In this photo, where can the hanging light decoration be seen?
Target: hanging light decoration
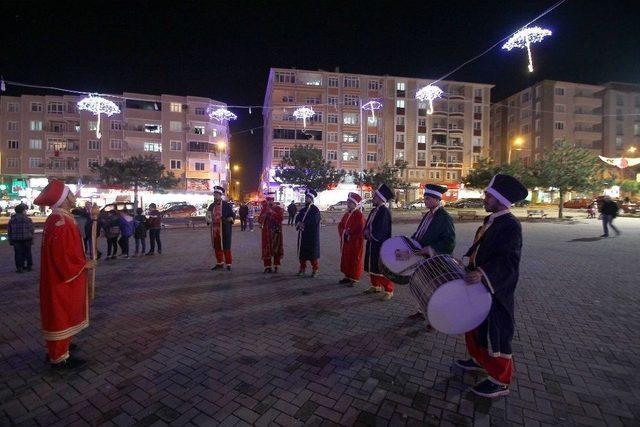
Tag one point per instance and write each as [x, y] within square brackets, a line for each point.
[428, 94]
[221, 114]
[304, 113]
[372, 106]
[98, 106]
[523, 39]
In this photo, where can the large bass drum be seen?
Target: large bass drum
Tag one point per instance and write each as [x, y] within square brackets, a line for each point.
[452, 306]
[398, 259]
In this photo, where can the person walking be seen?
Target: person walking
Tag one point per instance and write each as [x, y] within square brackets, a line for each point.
[140, 233]
[351, 232]
[609, 211]
[20, 234]
[251, 212]
[88, 230]
[377, 230]
[127, 229]
[271, 218]
[155, 225]
[222, 218]
[111, 227]
[307, 223]
[243, 212]
[292, 210]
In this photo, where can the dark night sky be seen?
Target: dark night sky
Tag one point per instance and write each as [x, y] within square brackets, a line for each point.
[223, 50]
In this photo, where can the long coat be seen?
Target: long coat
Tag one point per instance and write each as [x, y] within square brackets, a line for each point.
[440, 233]
[271, 220]
[351, 230]
[377, 230]
[224, 228]
[309, 238]
[498, 258]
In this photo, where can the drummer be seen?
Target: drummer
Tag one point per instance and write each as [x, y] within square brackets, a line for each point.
[376, 230]
[436, 233]
[494, 260]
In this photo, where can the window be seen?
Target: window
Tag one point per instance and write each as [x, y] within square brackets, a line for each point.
[312, 100]
[352, 82]
[636, 129]
[619, 116]
[115, 144]
[155, 147]
[175, 126]
[55, 107]
[350, 119]
[537, 125]
[559, 108]
[332, 100]
[199, 130]
[372, 157]
[13, 107]
[422, 139]
[176, 107]
[525, 129]
[618, 142]
[372, 121]
[350, 138]
[93, 125]
[525, 113]
[12, 162]
[287, 98]
[538, 106]
[400, 103]
[525, 97]
[332, 155]
[619, 129]
[619, 99]
[36, 107]
[35, 125]
[332, 118]
[477, 95]
[399, 155]
[400, 86]
[477, 110]
[12, 144]
[199, 166]
[475, 158]
[399, 120]
[422, 122]
[537, 92]
[12, 126]
[200, 111]
[372, 139]
[35, 144]
[332, 82]
[537, 142]
[35, 162]
[351, 100]
[477, 142]
[92, 162]
[400, 138]
[152, 128]
[477, 125]
[284, 77]
[175, 164]
[175, 145]
[214, 132]
[332, 136]
[559, 91]
[350, 155]
[93, 144]
[374, 85]
[558, 125]
[116, 125]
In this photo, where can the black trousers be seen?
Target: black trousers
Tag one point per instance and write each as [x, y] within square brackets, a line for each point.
[112, 246]
[291, 218]
[154, 238]
[124, 245]
[243, 223]
[22, 249]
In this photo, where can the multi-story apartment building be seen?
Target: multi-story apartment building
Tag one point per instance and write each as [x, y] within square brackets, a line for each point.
[46, 136]
[604, 119]
[439, 147]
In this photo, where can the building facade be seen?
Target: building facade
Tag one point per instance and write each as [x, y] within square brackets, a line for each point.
[604, 119]
[46, 136]
[440, 147]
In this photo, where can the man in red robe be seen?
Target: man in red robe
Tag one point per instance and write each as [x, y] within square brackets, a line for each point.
[222, 219]
[270, 219]
[351, 231]
[64, 302]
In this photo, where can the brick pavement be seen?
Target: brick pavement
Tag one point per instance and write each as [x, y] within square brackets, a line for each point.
[173, 343]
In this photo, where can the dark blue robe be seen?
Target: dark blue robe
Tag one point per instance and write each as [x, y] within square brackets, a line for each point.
[227, 215]
[378, 228]
[498, 257]
[309, 239]
[440, 235]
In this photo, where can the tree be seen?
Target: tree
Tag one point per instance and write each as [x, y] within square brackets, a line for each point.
[306, 167]
[569, 168]
[629, 186]
[139, 172]
[480, 176]
[387, 174]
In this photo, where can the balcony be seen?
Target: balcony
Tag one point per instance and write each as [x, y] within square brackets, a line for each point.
[453, 128]
[456, 94]
[439, 127]
[456, 112]
[454, 164]
[202, 147]
[456, 145]
[437, 163]
[439, 110]
[435, 145]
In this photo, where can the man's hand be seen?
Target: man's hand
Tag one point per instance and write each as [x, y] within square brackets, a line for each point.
[473, 277]
[90, 264]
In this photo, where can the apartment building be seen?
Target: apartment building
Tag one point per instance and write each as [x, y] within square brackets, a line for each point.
[46, 136]
[439, 147]
[602, 118]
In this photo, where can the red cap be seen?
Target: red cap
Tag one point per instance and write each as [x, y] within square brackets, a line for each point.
[53, 194]
[355, 198]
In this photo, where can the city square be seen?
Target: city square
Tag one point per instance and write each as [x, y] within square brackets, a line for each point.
[172, 342]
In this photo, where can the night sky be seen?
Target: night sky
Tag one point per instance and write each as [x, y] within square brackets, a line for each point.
[223, 49]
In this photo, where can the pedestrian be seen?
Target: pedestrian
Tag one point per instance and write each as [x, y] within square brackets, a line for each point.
[292, 210]
[243, 212]
[308, 225]
[494, 260]
[20, 234]
[88, 230]
[351, 232]
[251, 212]
[127, 228]
[591, 210]
[377, 230]
[154, 225]
[609, 211]
[222, 218]
[111, 227]
[140, 233]
[436, 233]
[270, 218]
[82, 218]
[64, 301]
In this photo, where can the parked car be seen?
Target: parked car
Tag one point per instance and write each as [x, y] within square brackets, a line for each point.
[179, 211]
[127, 207]
[416, 204]
[580, 203]
[467, 203]
[522, 204]
[629, 207]
[339, 207]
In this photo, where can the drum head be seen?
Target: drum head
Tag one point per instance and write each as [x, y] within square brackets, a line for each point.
[456, 308]
[404, 267]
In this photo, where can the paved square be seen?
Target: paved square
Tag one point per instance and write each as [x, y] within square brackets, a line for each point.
[172, 342]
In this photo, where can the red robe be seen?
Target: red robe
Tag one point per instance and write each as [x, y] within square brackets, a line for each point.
[64, 303]
[351, 230]
[271, 220]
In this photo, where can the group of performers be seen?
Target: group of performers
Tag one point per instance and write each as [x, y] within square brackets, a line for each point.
[493, 259]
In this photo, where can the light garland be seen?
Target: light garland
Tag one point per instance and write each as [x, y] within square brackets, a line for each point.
[98, 105]
[523, 39]
[221, 114]
[429, 93]
[304, 113]
[372, 106]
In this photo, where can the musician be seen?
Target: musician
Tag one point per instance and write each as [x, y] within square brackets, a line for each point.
[270, 219]
[377, 230]
[222, 218]
[308, 225]
[494, 260]
[436, 233]
[351, 231]
[64, 303]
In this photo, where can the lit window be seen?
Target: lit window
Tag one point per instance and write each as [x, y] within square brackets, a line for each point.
[12, 126]
[400, 103]
[153, 147]
[176, 107]
[199, 166]
[35, 144]
[36, 107]
[12, 162]
[350, 119]
[350, 138]
[372, 121]
[92, 125]
[422, 139]
[35, 125]
[93, 144]
[152, 128]
[199, 130]
[400, 86]
[35, 162]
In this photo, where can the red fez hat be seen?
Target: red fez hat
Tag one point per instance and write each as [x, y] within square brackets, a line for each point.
[53, 194]
[355, 198]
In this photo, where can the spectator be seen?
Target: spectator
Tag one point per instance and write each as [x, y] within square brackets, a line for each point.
[81, 217]
[155, 225]
[20, 233]
[88, 229]
[140, 234]
[243, 212]
[111, 227]
[127, 229]
[609, 211]
[292, 210]
[251, 212]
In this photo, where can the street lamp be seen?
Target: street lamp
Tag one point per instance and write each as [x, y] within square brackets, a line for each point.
[236, 168]
[517, 145]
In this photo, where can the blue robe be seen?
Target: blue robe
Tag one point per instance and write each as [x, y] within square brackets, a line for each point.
[309, 239]
[498, 257]
[225, 230]
[440, 234]
[378, 228]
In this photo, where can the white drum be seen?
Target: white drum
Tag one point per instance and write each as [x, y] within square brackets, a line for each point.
[398, 259]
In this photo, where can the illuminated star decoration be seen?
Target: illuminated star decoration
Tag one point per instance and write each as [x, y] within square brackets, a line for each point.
[221, 114]
[98, 105]
[372, 106]
[429, 93]
[304, 113]
[523, 39]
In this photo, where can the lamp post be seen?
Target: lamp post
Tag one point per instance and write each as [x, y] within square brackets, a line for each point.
[517, 142]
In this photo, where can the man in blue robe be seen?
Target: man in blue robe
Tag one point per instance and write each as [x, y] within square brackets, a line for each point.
[308, 225]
